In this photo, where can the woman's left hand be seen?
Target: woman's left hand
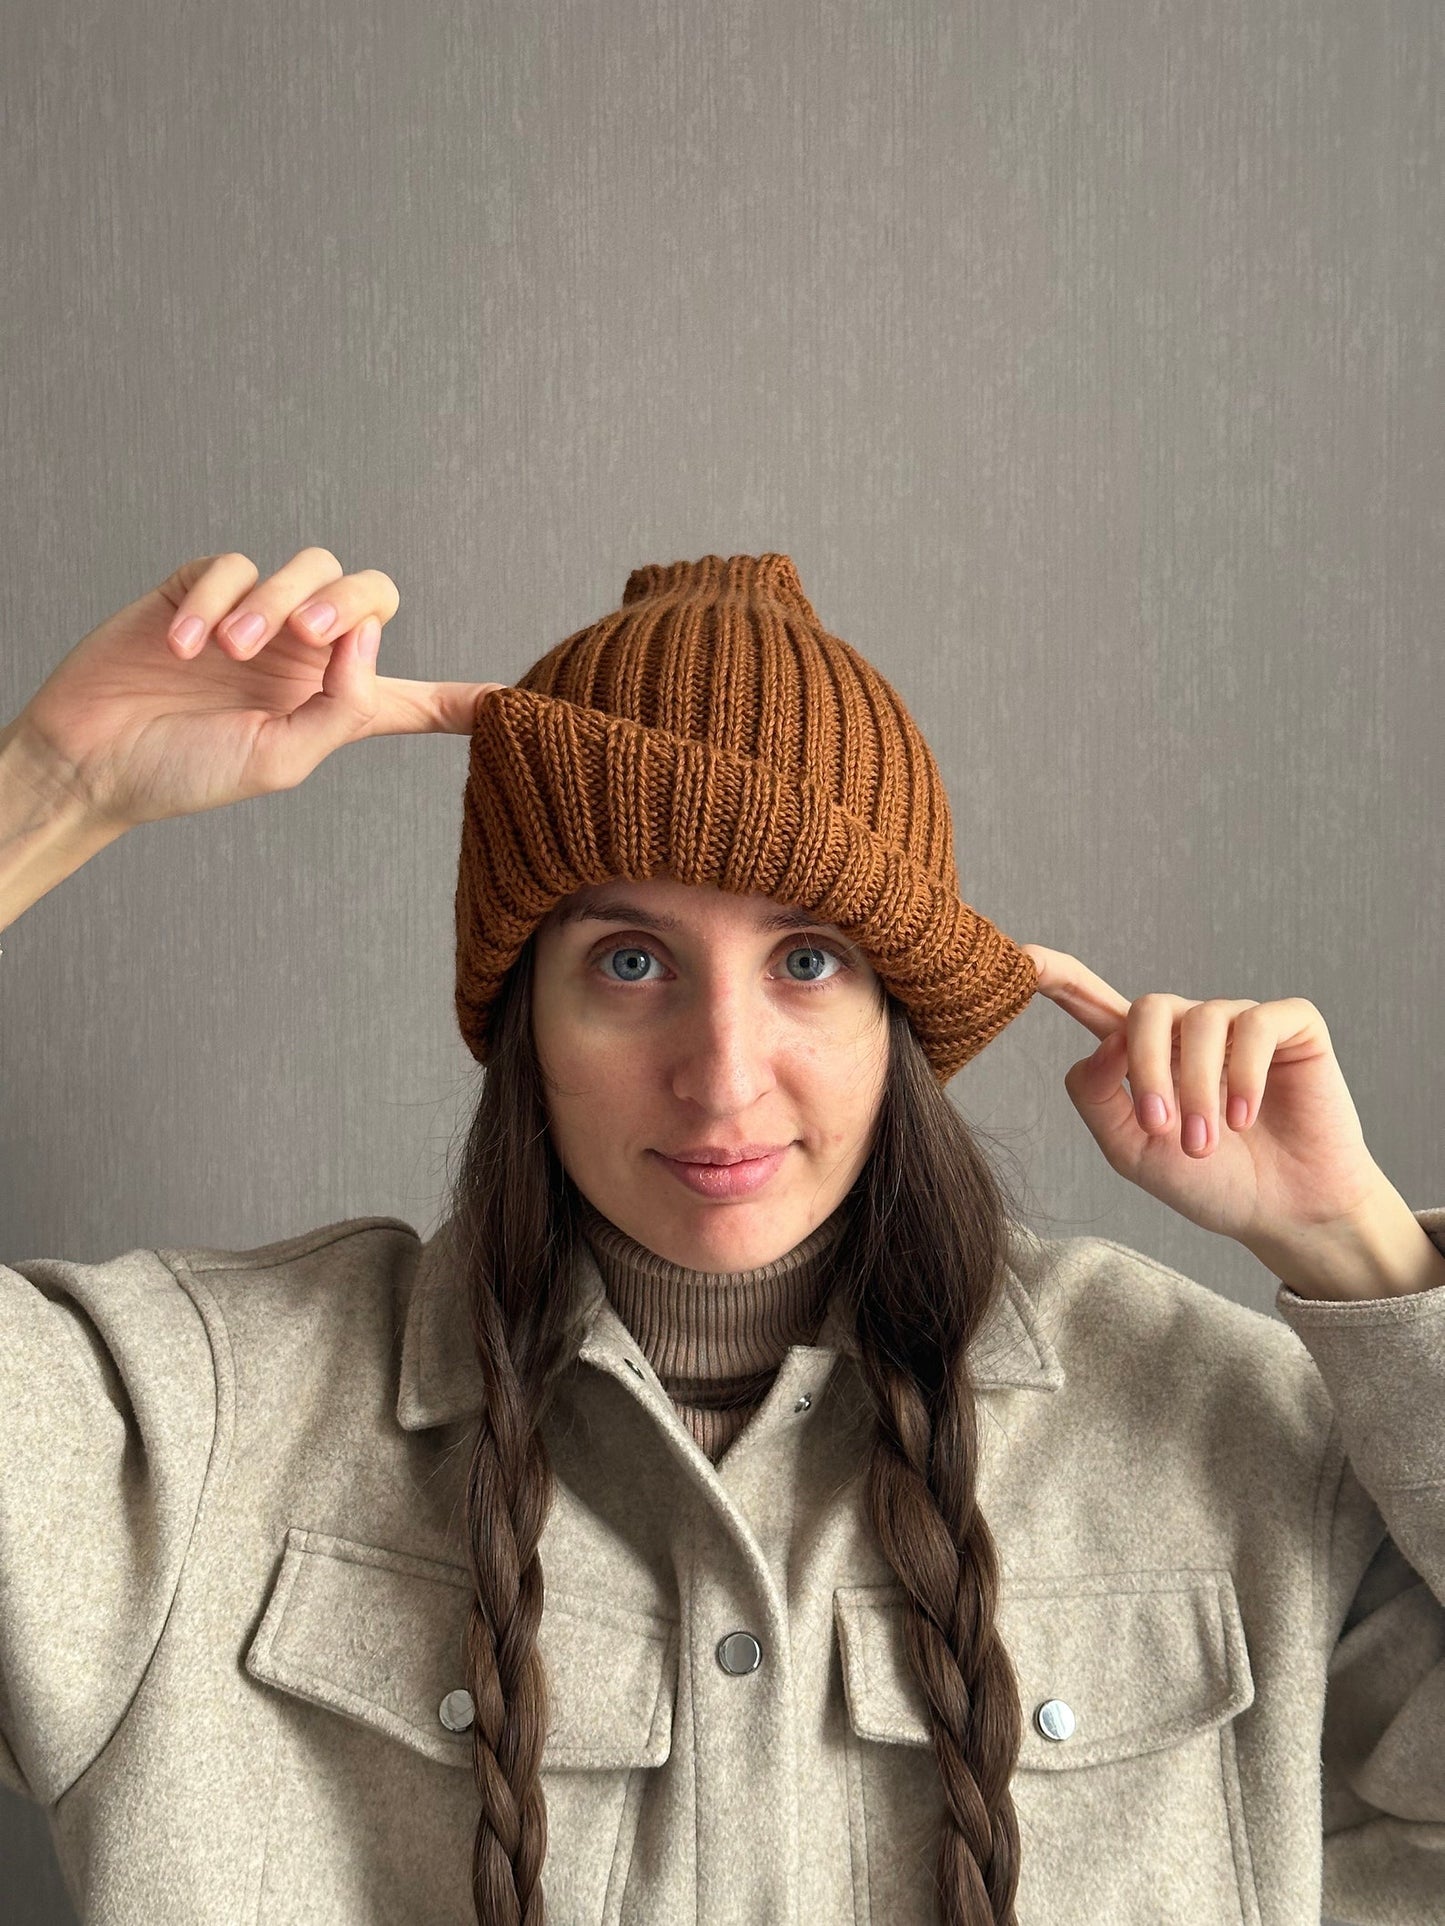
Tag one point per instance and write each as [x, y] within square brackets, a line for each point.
[1296, 1163]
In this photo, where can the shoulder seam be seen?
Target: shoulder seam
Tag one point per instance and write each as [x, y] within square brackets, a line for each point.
[1158, 1265]
[301, 1245]
[1154, 1263]
[184, 1560]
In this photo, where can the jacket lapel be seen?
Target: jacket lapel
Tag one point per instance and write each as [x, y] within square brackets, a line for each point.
[440, 1381]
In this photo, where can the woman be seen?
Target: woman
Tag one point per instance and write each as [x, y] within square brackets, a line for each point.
[733, 1513]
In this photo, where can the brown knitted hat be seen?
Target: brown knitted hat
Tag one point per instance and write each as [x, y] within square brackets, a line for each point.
[713, 729]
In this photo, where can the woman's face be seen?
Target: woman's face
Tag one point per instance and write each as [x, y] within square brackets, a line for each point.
[668, 1016]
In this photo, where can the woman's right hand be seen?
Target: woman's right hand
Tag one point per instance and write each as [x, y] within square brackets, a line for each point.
[138, 728]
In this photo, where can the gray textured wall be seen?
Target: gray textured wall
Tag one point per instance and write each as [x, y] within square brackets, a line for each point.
[1085, 357]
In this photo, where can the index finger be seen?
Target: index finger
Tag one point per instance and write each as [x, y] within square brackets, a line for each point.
[1077, 989]
[406, 706]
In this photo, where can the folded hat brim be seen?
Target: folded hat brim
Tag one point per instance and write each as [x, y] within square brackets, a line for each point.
[560, 796]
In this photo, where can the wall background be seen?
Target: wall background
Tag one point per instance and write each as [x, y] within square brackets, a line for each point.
[1086, 358]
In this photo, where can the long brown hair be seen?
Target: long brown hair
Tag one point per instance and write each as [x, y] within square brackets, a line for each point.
[922, 1267]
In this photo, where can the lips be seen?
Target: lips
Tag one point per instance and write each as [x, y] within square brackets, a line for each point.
[738, 1177]
[714, 1154]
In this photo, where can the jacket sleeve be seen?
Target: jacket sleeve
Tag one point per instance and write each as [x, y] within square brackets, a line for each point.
[107, 1419]
[1383, 1750]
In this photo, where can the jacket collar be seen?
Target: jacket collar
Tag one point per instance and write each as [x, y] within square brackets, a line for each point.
[440, 1381]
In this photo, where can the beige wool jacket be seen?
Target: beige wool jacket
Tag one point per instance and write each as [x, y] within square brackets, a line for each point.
[233, 1585]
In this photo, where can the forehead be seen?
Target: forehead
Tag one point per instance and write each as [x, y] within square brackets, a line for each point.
[666, 904]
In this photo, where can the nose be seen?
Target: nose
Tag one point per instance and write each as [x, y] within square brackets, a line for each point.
[723, 1050]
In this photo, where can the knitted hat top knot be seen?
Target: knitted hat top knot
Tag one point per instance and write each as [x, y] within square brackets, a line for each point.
[711, 728]
[753, 578]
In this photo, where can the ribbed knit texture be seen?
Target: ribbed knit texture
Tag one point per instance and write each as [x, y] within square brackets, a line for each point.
[712, 728]
[715, 1338]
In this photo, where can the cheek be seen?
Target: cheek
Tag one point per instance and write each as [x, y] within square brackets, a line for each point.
[591, 1083]
[592, 1078]
[570, 1044]
[845, 1069]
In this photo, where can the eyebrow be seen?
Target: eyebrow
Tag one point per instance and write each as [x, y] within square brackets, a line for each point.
[613, 909]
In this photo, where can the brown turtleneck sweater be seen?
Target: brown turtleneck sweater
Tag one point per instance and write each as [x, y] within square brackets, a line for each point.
[715, 1338]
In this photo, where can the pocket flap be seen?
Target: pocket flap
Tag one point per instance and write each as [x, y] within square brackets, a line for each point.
[1141, 1660]
[378, 1636]
[611, 1683]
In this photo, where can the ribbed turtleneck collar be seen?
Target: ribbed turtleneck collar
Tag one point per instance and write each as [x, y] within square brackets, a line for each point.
[715, 1338]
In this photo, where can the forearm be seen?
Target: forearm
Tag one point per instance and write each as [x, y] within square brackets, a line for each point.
[45, 833]
[1383, 1252]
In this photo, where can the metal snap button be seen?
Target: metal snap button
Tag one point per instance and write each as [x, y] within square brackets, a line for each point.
[1055, 1719]
[805, 1403]
[456, 1710]
[739, 1652]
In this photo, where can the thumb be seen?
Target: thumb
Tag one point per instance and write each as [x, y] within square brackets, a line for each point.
[1096, 1087]
[344, 708]
[354, 702]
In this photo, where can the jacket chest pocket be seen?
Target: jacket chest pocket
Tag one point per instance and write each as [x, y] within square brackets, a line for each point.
[1127, 1787]
[365, 1647]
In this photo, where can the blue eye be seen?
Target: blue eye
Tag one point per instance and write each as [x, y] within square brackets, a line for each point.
[634, 953]
[638, 955]
[816, 951]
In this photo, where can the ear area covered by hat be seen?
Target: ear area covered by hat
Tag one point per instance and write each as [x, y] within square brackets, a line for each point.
[712, 729]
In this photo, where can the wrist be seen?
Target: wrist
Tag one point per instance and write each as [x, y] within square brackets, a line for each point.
[1379, 1250]
[46, 831]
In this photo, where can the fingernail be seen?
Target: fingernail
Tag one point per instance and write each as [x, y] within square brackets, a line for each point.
[1196, 1132]
[186, 632]
[1152, 1113]
[246, 629]
[369, 638]
[318, 618]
